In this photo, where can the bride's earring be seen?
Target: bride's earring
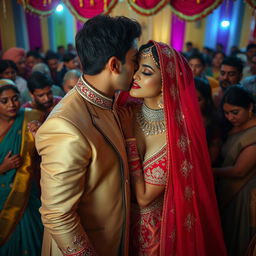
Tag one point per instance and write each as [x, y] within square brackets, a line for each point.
[161, 102]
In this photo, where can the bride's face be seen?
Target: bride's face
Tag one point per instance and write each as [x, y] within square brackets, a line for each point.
[147, 80]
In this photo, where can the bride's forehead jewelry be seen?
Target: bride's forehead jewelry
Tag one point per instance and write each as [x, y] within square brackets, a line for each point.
[147, 52]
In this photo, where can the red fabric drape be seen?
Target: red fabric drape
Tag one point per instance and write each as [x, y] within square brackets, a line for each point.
[147, 7]
[85, 9]
[39, 7]
[190, 222]
[192, 10]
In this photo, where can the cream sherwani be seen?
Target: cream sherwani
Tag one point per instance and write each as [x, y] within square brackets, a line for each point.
[84, 177]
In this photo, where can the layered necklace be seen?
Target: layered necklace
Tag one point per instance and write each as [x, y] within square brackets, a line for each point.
[151, 121]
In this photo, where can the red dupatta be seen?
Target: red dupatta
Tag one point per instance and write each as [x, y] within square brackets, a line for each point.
[190, 222]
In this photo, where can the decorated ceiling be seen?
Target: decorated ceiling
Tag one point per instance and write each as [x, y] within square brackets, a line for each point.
[189, 10]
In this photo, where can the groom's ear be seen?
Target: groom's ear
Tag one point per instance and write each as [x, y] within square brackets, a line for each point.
[114, 65]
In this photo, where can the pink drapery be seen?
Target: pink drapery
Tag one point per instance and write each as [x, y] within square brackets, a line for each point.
[85, 9]
[191, 10]
[147, 7]
[178, 28]
[39, 7]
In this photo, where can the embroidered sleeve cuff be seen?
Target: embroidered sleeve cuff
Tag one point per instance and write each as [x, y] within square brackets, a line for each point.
[81, 246]
[83, 252]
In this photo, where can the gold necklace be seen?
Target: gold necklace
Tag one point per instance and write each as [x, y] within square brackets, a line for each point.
[151, 121]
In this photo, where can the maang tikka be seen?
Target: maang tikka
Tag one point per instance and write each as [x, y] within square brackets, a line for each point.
[147, 52]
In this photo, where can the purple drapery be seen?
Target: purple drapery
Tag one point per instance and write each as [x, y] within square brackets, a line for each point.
[177, 33]
[79, 25]
[34, 31]
[225, 14]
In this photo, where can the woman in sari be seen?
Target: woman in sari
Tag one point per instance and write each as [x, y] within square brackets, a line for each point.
[236, 179]
[174, 209]
[20, 222]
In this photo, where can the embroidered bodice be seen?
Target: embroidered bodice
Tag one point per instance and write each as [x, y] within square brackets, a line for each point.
[155, 168]
[92, 95]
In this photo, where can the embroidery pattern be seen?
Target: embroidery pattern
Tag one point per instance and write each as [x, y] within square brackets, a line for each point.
[173, 235]
[171, 69]
[183, 143]
[135, 168]
[147, 224]
[132, 151]
[82, 247]
[93, 96]
[155, 169]
[179, 116]
[174, 92]
[188, 193]
[189, 222]
[166, 51]
[186, 168]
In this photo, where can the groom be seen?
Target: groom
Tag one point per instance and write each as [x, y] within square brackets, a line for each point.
[84, 171]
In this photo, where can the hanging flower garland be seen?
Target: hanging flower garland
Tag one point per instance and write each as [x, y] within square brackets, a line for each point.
[192, 10]
[147, 7]
[40, 7]
[86, 9]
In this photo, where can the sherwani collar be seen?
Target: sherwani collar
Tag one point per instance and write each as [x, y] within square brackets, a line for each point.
[92, 95]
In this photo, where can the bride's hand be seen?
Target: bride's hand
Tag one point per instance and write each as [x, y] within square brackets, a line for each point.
[126, 117]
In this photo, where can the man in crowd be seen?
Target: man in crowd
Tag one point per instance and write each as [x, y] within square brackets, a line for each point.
[40, 90]
[84, 170]
[231, 72]
[197, 64]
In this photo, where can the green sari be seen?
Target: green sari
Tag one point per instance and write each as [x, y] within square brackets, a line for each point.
[20, 221]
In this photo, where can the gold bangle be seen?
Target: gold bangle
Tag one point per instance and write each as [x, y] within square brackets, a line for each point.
[130, 139]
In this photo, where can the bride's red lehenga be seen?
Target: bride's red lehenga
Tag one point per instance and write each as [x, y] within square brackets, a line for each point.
[185, 221]
[146, 222]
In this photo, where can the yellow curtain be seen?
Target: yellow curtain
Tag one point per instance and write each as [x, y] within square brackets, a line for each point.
[7, 28]
[156, 27]
[195, 32]
[248, 19]
[45, 33]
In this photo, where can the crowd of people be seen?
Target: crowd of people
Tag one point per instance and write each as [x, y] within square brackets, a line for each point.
[113, 149]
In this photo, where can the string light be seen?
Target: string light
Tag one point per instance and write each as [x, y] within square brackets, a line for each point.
[59, 8]
[225, 23]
